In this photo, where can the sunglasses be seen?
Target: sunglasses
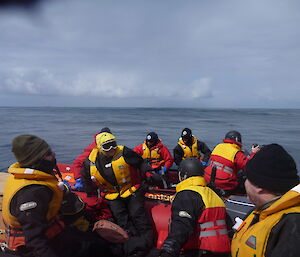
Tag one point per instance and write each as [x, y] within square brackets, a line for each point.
[109, 145]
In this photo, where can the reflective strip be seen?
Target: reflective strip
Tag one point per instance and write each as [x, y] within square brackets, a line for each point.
[92, 164]
[296, 188]
[221, 166]
[209, 224]
[28, 171]
[228, 170]
[208, 233]
[221, 222]
[223, 231]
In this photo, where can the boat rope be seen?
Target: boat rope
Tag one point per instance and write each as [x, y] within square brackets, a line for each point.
[240, 203]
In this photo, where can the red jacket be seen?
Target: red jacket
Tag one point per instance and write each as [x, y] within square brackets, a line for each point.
[78, 162]
[226, 176]
[165, 155]
[96, 208]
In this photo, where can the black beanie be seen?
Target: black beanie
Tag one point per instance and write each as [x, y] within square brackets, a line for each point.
[105, 129]
[152, 137]
[273, 169]
[29, 150]
[186, 133]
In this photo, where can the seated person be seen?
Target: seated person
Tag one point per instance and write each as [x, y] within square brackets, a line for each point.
[273, 227]
[189, 146]
[228, 158]
[113, 169]
[31, 204]
[198, 217]
[157, 156]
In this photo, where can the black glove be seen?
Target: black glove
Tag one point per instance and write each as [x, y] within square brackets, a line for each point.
[170, 248]
[165, 254]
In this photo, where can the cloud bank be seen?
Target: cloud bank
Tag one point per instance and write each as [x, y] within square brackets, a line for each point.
[152, 53]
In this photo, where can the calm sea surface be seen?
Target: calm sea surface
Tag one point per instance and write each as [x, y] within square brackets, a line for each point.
[70, 130]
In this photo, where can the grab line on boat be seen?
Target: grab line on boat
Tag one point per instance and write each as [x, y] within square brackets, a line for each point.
[241, 203]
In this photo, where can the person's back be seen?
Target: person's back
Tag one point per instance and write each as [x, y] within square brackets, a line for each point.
[198, 222]
[273, 228]
[228, 159]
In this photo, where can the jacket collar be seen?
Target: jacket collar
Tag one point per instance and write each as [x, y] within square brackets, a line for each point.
[191, 181]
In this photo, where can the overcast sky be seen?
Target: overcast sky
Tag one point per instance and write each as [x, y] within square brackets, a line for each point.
[152, 53]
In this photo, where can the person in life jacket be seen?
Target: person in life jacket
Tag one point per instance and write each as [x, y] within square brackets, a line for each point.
[189, 146]
[228, 158]
[31, 207]
[113, 169]
[272, 229]
[157, 155]
[78, 162]
[198, 220]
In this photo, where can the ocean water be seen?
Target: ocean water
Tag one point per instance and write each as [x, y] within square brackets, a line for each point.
[70, 130]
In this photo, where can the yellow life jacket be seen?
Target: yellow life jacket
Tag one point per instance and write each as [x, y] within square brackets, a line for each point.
[121, 170]
[152, 155]
[226, 150]
[251, 241]
[188, 152]
[211, 232]
[20, 178]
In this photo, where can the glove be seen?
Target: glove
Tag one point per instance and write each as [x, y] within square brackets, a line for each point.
[78, 185]
[163, 170]
[170, 248]
[204, 163]
[165, 254]
[153, 178]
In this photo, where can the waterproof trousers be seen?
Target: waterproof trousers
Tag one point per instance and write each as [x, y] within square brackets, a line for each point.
[129, 213]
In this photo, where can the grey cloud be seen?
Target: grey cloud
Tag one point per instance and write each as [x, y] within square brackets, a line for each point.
[226, 53]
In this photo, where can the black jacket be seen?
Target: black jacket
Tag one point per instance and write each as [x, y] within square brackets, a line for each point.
[34, 222]
[284, 240]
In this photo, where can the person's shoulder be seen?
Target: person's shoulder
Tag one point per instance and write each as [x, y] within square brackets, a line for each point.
[34, 192]
[187, 194]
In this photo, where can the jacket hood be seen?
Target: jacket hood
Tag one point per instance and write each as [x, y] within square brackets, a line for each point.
[232, 142]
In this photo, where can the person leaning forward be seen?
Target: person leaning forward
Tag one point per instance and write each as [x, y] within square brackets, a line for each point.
[113, 169]
[273, 228]
[31, 203]
[189, 146]
[198, 223]
[229, 159]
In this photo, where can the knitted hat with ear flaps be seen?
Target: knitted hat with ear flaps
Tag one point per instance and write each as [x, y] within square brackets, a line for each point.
[29, 150]
[273, 169]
